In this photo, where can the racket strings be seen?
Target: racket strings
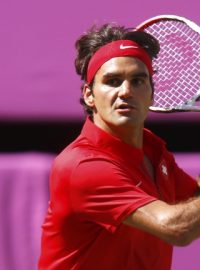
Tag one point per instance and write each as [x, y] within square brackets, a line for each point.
[178, 64]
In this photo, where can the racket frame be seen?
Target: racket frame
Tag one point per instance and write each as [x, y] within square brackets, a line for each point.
[156, 19]
[188, 106]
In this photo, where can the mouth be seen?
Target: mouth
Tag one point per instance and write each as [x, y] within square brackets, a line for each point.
[125, 107]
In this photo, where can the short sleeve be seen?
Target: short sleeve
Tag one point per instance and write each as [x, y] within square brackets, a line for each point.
[185, 185]
[102, 192]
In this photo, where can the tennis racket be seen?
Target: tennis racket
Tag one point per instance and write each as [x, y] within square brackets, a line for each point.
[177, 76]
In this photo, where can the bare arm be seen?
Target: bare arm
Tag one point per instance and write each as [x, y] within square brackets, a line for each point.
[176, 224]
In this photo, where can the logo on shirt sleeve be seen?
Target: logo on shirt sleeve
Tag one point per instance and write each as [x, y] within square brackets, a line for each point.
[163, 169]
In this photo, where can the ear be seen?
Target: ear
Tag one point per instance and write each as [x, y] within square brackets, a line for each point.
[152, 101]
[152, 97]
[88, 96]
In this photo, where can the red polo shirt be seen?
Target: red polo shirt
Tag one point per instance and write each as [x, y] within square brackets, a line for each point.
[96, 182]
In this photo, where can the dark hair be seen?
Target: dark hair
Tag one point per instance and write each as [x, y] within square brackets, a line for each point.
[96, 37]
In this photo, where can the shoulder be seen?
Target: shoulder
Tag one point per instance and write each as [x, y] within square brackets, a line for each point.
[78, 155]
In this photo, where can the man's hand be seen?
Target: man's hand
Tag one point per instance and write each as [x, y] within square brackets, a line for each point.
[198, 182]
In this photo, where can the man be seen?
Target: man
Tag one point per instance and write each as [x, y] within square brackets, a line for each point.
[117, 198]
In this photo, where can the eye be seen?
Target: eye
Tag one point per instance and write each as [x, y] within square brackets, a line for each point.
[115, 82]
[138, 81]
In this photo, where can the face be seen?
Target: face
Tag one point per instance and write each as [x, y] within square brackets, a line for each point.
[121, 95]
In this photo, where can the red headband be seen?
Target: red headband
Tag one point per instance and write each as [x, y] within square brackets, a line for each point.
[116, 49]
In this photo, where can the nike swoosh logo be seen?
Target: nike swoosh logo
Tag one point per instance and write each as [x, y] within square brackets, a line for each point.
[138, 184]
[122, 47]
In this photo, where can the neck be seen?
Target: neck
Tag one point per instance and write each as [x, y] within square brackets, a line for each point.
[133, 136]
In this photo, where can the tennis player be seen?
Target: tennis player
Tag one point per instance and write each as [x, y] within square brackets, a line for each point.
[118, 200]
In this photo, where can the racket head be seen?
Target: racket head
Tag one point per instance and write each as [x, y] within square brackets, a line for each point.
[177, 76]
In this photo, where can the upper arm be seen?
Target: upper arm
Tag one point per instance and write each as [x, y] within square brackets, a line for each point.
[162, 220]
[150, 218]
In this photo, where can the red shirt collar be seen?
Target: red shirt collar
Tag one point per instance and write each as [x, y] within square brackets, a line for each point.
[119, 149]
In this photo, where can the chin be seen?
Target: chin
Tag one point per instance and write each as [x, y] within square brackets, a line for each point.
[127, 121]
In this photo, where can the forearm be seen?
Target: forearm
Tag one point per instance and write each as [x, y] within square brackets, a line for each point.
[183, 220]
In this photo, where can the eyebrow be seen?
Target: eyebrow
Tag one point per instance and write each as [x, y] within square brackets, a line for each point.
[118, 74]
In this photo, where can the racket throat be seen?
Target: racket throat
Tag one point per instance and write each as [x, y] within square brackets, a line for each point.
[194, 99]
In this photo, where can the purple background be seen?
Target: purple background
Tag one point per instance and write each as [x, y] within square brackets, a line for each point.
[37, 75]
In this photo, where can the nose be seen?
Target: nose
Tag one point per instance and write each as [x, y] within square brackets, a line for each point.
[125, 89]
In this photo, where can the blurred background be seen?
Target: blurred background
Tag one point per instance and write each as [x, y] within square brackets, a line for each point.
[40, 112]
